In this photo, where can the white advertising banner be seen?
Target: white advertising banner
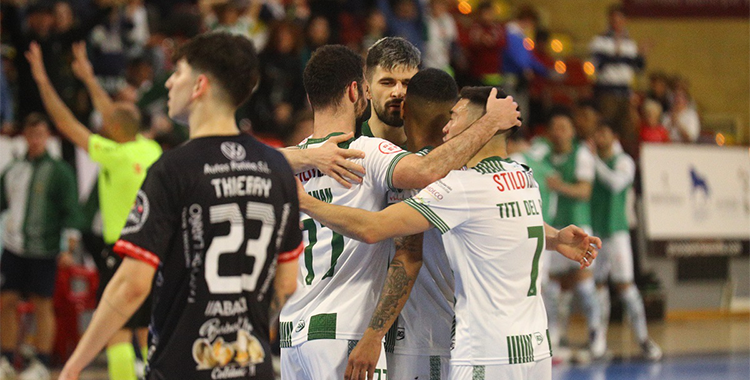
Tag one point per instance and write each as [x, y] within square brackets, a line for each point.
[696, 191]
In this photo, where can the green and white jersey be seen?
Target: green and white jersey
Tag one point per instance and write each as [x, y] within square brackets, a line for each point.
[340, 279]
[541, 169]
[574, 166]
[42, 201]
[614, 177]
[491, 223]
[424, 325]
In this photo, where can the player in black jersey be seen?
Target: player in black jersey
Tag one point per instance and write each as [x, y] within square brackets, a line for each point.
[214, 227]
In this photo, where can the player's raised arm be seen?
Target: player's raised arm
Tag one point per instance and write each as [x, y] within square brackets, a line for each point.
[415, 172]
[330, 159]
[402, 274]
[574, 243]
[84, 71]
[60, 114]
[367, 226]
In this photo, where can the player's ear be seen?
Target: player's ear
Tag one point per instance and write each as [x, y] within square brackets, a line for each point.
[366, 85]
[201, 86]
[353, 92]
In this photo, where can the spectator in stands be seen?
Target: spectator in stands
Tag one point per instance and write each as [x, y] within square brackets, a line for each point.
[617, 59]
[375, 29]
[41, 196]
[317, 34]
[235, 17]
[658, 89]
[486, 41]
[137, 16]
[55, 45]
[109, 44]
[7, 111]
[442, 36]
[651, 129]
[405, 19]
[682, 121]
[519, 64]
[585, 119]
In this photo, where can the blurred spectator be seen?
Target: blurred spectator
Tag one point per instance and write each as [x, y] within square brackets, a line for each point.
[519, 64]
[617, 58]
[405, 19]
[540, 94]
[376, 28]
[442, 35]
[486, 40]
[303, 127]
[682, 121]
[6, 103]
[235, 17]
[317, 34]
[658, 89]
[651, 129]
[137, 16]
[280, 91]
[55, 44]
[38, 191]
[109, 44]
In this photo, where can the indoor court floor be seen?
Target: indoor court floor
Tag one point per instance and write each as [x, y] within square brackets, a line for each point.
[695, 347]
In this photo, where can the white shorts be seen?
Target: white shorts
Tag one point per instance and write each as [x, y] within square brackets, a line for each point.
[539, 370]
[615, 259]
[323, 359]
[417, 367]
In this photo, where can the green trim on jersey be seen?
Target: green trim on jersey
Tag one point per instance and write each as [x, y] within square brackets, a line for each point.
[541, 169]
[311, 141]
[435, 368]
[610, 215]
[477, 372]
[430, 215]
[322, 326]
[520, 349]
[392, 169]
[366, 130]
[285, 334]
[390, 336]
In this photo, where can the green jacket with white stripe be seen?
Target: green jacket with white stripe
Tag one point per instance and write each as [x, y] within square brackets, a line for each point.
[41, 198]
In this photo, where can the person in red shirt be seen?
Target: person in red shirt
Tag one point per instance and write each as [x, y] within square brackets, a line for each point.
[651, 128]
[486, 41]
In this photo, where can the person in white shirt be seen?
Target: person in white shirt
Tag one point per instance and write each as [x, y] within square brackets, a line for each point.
[682, 121]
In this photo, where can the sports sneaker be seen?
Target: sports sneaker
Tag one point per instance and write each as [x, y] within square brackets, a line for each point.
[7, 372]
[598, 344]
[651, 350]
[35, 371]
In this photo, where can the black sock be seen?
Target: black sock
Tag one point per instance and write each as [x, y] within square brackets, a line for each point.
[44, 358]
[8, 355]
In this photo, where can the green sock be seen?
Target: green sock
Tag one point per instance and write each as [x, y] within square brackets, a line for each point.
[121, 362]
[144, 353]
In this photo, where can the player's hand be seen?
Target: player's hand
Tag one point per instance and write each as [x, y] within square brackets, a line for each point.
[503, 111]
[81, 65]
[334, 161]
[554, 182]
[36, 61]
[575, 244]
[363, 359]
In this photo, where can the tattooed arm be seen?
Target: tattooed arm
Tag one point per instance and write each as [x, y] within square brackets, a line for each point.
[398, 284]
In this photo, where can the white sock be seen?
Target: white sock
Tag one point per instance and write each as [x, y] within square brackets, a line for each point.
[551, 295]
[586, 290]
[602, 293]
[633, 303]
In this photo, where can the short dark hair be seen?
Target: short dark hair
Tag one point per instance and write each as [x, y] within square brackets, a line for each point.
[433, 85]
[615, 8]
[390, 52]
[34, 119]
[558, 111]
[527, 12]
[328, 73]
[478, 95]
[229, 59]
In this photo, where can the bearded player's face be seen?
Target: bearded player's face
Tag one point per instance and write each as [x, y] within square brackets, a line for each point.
[387, 91]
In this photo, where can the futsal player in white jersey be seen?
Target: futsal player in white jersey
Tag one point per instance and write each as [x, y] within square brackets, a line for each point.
[340, 279]
[492, 228]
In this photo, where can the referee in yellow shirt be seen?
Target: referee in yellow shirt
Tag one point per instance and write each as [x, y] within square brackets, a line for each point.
[123, 156]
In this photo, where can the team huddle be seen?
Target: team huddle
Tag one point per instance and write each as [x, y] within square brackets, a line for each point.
[414, 251]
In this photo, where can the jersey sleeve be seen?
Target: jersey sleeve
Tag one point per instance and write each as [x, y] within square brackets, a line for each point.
[289, 236]
[585, 165]
[102, 150]
[153, 220]
[381, 158]
[443, 203]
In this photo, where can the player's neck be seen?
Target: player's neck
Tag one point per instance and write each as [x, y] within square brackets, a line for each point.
[330, 121]
[212, 120]
[563, 148]
[380, 129]
[607, 153]
[497, 147]
[422, 134]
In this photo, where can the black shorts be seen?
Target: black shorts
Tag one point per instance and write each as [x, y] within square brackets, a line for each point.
[112, 261]
[27, 276]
